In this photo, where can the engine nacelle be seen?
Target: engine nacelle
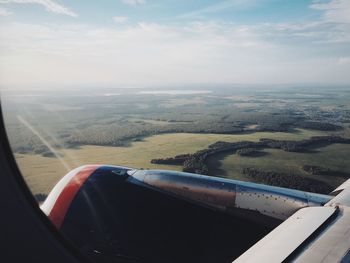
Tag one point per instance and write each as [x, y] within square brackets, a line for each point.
[119, 214]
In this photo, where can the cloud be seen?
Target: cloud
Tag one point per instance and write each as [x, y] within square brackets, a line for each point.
[310, 32]
[344, 61]
[154, 54]
[332, 27]
[120, 19]
[5, 12]
[223, 5]
[337, 11]
[134, 2]
[50, 6]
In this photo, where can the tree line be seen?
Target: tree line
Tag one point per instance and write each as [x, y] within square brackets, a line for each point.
[196, 163]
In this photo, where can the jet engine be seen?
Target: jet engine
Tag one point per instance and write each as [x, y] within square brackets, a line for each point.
[120, 214]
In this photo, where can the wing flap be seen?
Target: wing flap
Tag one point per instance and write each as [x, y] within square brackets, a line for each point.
[332, 245]
[279, 244]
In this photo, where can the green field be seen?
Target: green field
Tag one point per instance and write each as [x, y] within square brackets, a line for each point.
[42, 173]
[334, 157]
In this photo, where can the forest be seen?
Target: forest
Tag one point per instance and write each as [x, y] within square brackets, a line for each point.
[67, 120]
[196, 162]
[45, 123]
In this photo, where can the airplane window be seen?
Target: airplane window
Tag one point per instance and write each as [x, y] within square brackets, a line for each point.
[140, 125]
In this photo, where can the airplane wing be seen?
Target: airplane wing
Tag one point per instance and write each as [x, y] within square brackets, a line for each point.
[312, 234]
[114, 212]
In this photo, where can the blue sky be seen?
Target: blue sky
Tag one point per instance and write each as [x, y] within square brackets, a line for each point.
[166, 11]
[46, 43]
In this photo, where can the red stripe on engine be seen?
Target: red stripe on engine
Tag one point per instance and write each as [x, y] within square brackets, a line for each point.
[68, 193]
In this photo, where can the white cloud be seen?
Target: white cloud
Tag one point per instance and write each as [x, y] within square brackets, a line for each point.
[5, 12]
[120, 19]
[337, 11]
[133, 2]
[154, 54]
[344, 61]
[50, 6]
[223, 5]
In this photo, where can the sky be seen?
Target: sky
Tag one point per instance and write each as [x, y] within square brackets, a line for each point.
[136, 43]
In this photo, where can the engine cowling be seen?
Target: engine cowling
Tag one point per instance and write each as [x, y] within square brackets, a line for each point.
[119, 214]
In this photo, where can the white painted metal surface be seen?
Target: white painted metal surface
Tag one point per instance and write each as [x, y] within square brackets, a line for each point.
[342, 199]
[283, 240]
[332, 244]
[345, 185]
[50, 201]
